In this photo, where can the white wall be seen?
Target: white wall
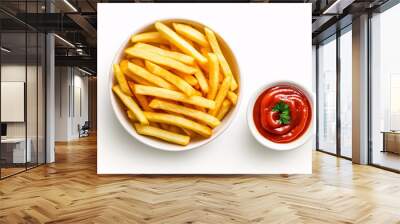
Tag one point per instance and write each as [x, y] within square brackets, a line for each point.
[62, 81]
[70, 83]
[79, 112]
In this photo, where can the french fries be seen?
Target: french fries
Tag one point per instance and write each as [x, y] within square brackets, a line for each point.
[175, 82]
[180, 122]
[174, 129]
[150, 37]
[201, 80]
[144, 74]
[213, 76]
[162, 134]
[124, 68]
[159, 59]
[138, 61]
[142, 100]
[172, 78]
[174, 95]
[222, 92]
[188, 78]
[217, 50]
[232, 97]
[131, 116]
[226, 106]
[189, 112]
[191, 34]
[179, 42]
[131, 105]
[188, 132]
[167, 53]
[121, 80]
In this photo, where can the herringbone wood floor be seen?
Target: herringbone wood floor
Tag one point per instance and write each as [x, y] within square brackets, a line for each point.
[69, 191]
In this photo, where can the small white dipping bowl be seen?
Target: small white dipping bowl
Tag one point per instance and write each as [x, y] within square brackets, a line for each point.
[156, 143]
[268, 143]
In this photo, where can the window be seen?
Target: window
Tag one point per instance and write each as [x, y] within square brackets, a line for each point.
[394, 102]
[334, 58]
[385, 89]
[327, 96]
[22, 74]
[346, 92]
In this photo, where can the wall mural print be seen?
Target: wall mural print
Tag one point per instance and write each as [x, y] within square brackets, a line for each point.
[200, 90]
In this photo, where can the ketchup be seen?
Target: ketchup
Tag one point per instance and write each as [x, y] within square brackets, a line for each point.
[268, 119]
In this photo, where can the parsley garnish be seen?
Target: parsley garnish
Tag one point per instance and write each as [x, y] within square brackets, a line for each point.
[284, 112]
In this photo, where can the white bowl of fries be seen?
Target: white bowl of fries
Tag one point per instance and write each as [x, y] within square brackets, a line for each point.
[175, 85]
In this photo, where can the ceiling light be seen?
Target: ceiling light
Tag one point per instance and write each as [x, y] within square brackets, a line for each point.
[80, 51]
[65, 41]
[5, 50]
[84, 71]
[70, 5]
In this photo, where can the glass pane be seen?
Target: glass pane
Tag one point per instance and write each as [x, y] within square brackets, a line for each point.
[327, 97]
[385, 83]
[13, 86]
[41, 98]
[32, 97]
[346, 94]
[22, 89]
[31, 88]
